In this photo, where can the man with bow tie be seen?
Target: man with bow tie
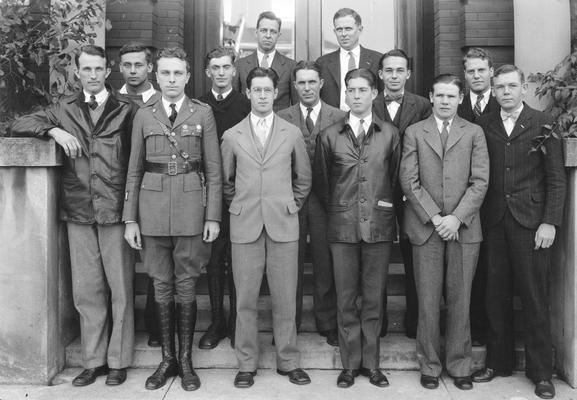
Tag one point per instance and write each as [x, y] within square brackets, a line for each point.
[521, 214]
[401, 108]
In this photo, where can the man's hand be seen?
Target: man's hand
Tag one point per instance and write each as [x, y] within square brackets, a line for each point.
[132, 235]
[545, 236]
[69, 143]
[211, 230]
[448, 228]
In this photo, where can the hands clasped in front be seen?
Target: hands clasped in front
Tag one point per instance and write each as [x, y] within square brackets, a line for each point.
[447, 227]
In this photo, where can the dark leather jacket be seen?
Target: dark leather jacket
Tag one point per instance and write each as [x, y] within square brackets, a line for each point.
[92, 188]
[355, 183]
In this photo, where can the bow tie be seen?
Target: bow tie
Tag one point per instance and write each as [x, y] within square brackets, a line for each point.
[390, 98]
[513, 116]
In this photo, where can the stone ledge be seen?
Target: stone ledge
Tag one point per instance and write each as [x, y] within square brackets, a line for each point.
[29, 152]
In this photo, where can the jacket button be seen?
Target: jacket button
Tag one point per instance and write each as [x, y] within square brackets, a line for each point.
[172, 134]
[508, 143]
[363, 200]
[173, 156]
[507, 195]
[363, 219]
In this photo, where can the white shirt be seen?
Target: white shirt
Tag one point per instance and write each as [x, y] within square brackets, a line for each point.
[100, 97]
[344, 59]
[440, 124]
[146, 95]
[260, 56]
[393, 106]
[167, 104]
[485, 99]
[509, 124]
[223, 94]
[355, 122]
[314, 113]
[254, 119]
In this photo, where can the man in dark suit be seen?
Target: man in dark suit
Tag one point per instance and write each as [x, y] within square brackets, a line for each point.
[478, 70]
[173, 207]
[266, 56]
[267, 177]
[401, 108]
[229, 108]
[521, 214]
[312, 115]
[355, 171]
[349, 56]
[444, 174]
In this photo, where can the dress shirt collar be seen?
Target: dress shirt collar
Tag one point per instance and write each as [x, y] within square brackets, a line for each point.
[314, 113]
[355, 121]
[356, 52]
[440, 124]
[485, 95]
[260, 55]
[100, 97]
[224, 94]
[167, 104]
[146, 95]
[269, 119]
[515, 112]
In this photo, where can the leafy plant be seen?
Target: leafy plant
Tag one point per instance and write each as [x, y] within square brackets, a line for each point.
[560, 84]
[29, 36]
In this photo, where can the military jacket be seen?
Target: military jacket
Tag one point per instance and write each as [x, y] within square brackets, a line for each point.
[174, 205]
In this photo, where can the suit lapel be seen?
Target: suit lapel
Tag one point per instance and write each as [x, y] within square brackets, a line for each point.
[159, 114]
[245, 140]
[456, 133]
[335, 68]
[364, 59]
[432, 136]
[522, 124]
[277, 137]
[407, 111]
[184, 113]
[278, 63]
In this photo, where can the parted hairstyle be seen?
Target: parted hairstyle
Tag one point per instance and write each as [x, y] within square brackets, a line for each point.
[449, 79]
[260, 72]
[173, 52]
[219, 52]
[303, 64]
[505, 69]
[395, 53]
[344, 12]
[477, 52]
[268, 15]
[92, 50]
[364, 73]
[136, 47]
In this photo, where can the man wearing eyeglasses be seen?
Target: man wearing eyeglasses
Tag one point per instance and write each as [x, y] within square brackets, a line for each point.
[266, 179]
[266, 56]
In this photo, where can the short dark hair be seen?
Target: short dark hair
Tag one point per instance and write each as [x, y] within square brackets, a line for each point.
[268, 15]
[92, 50]
[477, 52]
[364, 73]
[66, 56]
[449, 79]
[260, 72]
[505, 69]
[344, 12]
[173, 52]
[136, 47]
[395, 53]
[219, 52]
[303, 64]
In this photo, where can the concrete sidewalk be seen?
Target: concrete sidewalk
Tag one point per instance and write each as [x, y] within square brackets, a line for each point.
[217, 384]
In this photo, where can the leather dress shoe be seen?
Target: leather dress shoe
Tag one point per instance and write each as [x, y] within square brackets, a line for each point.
[89, 375]
[429, 382]
[346, 378]
[463, 382]
[153, 341]
[487, 375]
[545, 389]
[376, 377]
[477, 343]
[116, 376]
[332, 336]
[297, 376]
[244, 380]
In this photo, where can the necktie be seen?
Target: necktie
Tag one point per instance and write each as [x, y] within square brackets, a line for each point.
[477, 109]
[309, 120]
[445, 134]
[261, 131]
[92, 103]
[361, 134]
[264, 62]
[509, 120]
[172, 116]
[351, 61]
[219, 97]
[390, 98]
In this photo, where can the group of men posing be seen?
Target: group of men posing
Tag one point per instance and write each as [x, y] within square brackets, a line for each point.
[156, 175]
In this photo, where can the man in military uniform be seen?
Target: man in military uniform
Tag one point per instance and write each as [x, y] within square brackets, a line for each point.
[173, 206]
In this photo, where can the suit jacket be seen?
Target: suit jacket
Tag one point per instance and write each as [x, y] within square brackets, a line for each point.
[465, 109]
[531, 185]
[328, 115]
[331, 73]
[173, 205]
[451, 183]
[282, 65]
[355, 182]
[413, 109]
[268, 190]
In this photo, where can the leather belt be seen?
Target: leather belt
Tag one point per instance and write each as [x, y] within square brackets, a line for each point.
[173, 167]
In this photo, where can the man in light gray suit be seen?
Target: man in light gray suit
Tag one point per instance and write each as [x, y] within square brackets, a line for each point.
[266, 179]
[312, 115]
[444, 174]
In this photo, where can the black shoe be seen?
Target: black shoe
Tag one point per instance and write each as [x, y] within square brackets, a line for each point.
[332, 336]
[429, 382]
[545, 389]
[297, 376]
[346, 378]
[168, 367]
[376, 377]
[217, 329]
[411, 333]
[153, 341]
[89, 375]
[244, 380]
[463, 383]
[477, 343]
[116, 376]
[487, 375]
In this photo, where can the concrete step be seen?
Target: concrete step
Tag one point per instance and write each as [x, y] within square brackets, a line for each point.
[397, 353]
